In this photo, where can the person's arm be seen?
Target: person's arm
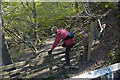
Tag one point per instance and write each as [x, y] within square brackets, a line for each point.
[57, 40]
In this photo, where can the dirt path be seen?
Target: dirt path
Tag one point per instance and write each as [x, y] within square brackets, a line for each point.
[49, 42]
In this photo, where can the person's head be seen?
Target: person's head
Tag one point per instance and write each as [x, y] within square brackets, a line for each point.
[54, 29]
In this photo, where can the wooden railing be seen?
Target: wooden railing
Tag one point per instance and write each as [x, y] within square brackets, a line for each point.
[41, 66]
[105, 73]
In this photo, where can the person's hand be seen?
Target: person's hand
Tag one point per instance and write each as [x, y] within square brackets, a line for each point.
[63, 45]
[50, 52]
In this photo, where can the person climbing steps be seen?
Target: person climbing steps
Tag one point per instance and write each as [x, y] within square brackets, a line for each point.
[67, 37]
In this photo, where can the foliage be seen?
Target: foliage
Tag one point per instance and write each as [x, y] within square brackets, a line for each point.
[112, 5]
[27, 18]
[19, 17]
[114, 54]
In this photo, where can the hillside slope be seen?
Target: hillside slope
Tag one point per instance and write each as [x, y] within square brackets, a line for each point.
[106, 50]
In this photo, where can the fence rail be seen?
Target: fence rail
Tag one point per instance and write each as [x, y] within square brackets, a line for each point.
[109, 70]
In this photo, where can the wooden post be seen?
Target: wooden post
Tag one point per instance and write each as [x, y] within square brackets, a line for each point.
[90, 41]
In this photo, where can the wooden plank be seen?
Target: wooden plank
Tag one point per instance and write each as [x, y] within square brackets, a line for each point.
[18, 64]
[13, 65]
[90, 41]
[81, 53]
[12, 72]
[45, 65]
[47, 56]
[74, 62]
[55, 73]
[52, 61]
[6, 74]
[24, 62]
[41, 75]
[48, 67]
[19, 70]
[43, 59]
[41, 68]
[24, 72]
[16, 71]
[77, 57]
[48, 59]
[55, 61]
[99, 72]
[48, 73]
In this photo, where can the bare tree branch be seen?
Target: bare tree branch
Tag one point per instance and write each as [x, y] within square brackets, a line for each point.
[67, 25]
[19, 38]
[28, 6]
[86, 10]
[10, 11]
[84, 16]
[26, 10]
[23, 20]
[12, 36]
[93, 15]
[102, 27]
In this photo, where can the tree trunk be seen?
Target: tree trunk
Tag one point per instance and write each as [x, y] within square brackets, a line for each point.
[36, 26]
[0, 37]
[35, 22]
[6, 59]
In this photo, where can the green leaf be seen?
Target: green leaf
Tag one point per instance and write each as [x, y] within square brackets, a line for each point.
[106, 5]
[100, 4]
[116, 7]
[118, 16]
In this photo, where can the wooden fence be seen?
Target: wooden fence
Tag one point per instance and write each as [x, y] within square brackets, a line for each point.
[105, 73]
[43, 66]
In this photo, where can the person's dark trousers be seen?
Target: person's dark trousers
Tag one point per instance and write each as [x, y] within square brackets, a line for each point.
[67, 55]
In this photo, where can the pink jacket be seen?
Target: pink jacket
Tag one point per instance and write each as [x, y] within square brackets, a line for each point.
[62, 34]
